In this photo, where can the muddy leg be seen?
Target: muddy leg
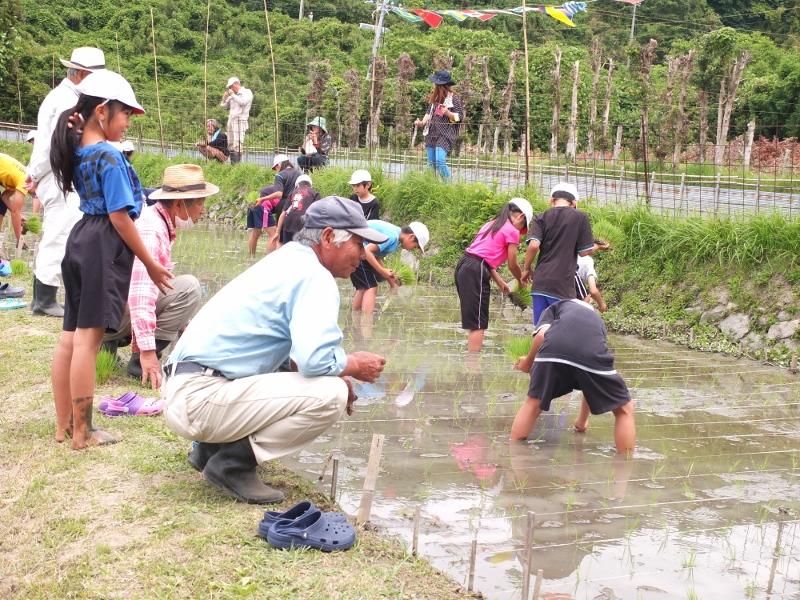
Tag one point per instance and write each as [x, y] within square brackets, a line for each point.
[625, 428]
[59, 377]
[525, 419]
[475, 340]
[582, 421]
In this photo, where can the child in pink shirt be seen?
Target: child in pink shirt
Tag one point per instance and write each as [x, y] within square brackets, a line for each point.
[496, 243]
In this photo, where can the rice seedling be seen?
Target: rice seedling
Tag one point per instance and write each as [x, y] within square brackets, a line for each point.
[19, 267]
[106, 366]
[404, 272]
[607, 232]
[520, 296]
[34, 224]
[518, 347]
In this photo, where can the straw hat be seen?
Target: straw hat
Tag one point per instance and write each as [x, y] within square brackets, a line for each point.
[184, 181]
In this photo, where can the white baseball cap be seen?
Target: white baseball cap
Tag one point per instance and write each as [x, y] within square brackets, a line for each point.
[421, 232]
[85, 58]
[30, 135]
[232, 80]
[568, 188]
[359, 176]
[303, 178]
[525, 207]
[110, 86]
[279, 158]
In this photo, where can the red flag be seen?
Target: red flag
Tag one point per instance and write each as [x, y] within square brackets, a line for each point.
[431, 18]
[477, 14]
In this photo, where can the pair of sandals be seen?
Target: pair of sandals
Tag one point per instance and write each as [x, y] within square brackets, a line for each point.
[306, 526]
[130, 404]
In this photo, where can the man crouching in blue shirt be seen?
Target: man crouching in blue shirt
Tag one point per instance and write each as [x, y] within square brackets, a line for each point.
[225, 388]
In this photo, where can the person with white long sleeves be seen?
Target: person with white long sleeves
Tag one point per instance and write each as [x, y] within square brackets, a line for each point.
[238, 100]
[60, 211]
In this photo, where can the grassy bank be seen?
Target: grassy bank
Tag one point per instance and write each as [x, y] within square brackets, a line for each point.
[134, 520]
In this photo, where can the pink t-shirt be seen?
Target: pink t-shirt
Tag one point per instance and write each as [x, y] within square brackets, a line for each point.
[494, 248]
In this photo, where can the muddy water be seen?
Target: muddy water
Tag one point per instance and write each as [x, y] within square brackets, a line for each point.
[708, 507]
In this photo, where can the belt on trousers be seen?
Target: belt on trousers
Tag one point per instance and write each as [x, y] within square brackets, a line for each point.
[186, 367]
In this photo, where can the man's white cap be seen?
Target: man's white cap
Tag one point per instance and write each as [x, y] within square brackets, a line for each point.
[359, 176]
[85, 58]
[303, 178]
[30, 135]
[232, 80]
[110, 86]
[525, 207]
[421, 232]
[279, 158]
[569, 188]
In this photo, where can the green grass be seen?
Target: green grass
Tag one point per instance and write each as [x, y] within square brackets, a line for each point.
[105, 366]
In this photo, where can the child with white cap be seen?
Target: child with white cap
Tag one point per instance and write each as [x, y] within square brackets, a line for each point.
[497, 242]
[559, 235]
[371, 271]
[98, 260]
[361, 180]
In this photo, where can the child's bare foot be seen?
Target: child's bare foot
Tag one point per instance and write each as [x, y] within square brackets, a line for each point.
[97, 437]
[62, 434]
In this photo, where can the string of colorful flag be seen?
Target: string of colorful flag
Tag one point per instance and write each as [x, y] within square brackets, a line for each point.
[433, 18]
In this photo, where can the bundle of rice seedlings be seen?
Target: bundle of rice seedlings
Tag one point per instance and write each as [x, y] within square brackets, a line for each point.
[34, 224]
[520, 296]
[105, 366]
[518, 347]
[406, 274]
[19, 267]
[607, 232]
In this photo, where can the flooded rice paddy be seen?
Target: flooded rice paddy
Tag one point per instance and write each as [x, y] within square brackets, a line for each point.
[708, 507]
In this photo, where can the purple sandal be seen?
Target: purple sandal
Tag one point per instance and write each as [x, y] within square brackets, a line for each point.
[130, 404]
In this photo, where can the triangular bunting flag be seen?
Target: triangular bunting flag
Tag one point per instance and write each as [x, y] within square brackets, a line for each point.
[559, 16]
[431, 18]
[404, 14]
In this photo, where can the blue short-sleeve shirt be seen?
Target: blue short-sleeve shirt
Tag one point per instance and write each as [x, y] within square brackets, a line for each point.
[106, 182]
[389, 230]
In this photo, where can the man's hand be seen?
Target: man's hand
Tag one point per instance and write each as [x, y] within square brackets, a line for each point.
[364, 366]
[351, 396]
[31, 185]
[526, 277]
[524, 364]
[151, 368]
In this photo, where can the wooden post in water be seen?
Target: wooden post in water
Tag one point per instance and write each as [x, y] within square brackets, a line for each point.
[526, 567]
[334, 478]
[537, 587]
[415, 535]
[472, 553]
[373, 466]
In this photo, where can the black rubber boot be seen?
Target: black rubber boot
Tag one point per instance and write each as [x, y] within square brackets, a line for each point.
[200, 453]
[233, 470]
[44, 300]
[134, 364]
[235, 157]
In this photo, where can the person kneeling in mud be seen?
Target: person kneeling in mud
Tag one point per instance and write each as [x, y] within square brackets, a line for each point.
[570, 351]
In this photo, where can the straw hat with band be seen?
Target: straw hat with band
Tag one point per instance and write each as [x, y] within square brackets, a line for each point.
[184, 182]
[110, 86]
[85, 58]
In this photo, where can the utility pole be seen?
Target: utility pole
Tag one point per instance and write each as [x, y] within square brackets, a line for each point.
[300, 14]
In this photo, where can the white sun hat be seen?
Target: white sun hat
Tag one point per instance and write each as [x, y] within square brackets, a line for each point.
[30, 135]
[525, 207]
[421, 232]
[85, 58]
[232, 80]
[303, 179]
[279, 158]
[359, 176]
[110, 86]
[568, 188]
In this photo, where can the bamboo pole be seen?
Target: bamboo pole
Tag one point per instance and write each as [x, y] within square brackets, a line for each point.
[527, 94]
[119, 64]
[155, 74]
[205, 71]
[274, 78]
[54, 69]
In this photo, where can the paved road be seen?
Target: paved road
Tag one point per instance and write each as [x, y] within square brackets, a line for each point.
[673, 198]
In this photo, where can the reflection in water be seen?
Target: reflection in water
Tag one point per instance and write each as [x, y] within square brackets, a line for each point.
[708, 506]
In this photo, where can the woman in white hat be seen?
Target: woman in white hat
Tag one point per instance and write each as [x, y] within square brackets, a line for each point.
[317, 144]
[497, 242]
[100, 248]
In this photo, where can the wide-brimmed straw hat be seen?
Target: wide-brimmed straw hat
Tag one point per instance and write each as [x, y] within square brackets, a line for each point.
[184, 181]
[85, 58]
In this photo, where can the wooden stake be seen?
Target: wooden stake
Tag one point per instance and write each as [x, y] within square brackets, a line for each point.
[373, 466]
[793, 364]
[537, 587]
[205, 72]
[119, 64]
[415, 535]
[274, 78]
[526, 567]
[527, 95]
[473, 551]
[334, 478]
[155, 73]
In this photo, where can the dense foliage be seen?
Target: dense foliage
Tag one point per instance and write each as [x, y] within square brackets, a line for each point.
[35, 33]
